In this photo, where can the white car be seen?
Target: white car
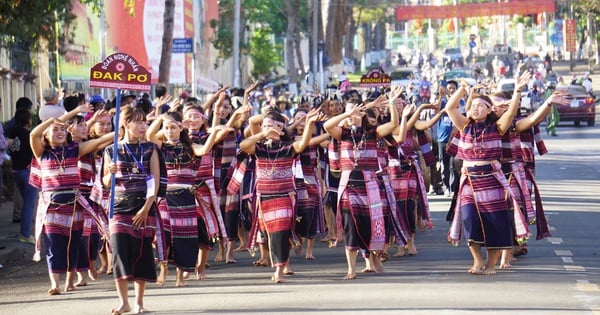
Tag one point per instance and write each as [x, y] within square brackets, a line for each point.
[526, 105]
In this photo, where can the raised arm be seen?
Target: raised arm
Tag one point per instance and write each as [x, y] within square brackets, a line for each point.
[400, 131]
[331, 126]
[206, 106]
[539, 115]
[458, 119]
[388, 128]
[152, 134]
[83, 108]
[90, 146]
[248, 145]
[506, 120]
[426, 124]
[311, 118]
[36, 136]
[203, 149]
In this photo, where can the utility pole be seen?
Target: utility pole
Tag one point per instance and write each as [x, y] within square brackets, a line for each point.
[571, 53]
[315, 40]
[236, 44]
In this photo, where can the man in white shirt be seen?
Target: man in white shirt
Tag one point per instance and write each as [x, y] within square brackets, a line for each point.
[51, 108]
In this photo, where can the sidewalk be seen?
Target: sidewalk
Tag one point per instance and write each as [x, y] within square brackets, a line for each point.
[12, 251]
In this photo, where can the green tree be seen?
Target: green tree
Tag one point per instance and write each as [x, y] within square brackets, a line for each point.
[264, 54]
[28, 23]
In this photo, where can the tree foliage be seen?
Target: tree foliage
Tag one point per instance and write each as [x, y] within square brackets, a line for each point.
[263, 53]
[25, 23]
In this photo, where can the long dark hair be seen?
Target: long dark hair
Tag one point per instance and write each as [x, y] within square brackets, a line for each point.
[183, 136]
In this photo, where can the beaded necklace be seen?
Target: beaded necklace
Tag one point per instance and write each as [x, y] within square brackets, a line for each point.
[359, 148]
[61, 161]
[269, 145]
[478, 139]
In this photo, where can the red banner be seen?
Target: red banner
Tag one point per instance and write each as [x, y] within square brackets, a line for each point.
[570, 35]
[518, 7]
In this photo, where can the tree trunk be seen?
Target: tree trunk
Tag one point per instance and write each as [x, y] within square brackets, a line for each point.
[349, 33]
[290, 32]
[164, 67]
[297, 42]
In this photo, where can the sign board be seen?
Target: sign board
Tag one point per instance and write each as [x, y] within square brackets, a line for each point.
[375, 78]
[120, 71]
[183, 45]
[570, 35]
[472, 44]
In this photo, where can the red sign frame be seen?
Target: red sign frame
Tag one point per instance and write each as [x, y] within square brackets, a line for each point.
[120, 71]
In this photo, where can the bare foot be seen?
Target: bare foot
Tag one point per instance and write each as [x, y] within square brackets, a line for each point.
[120, 310]
[139, 309]
[411, 248]
[70, 288]
[261, 263]
[162, 277]
[489, 270]
[200, 275]
[377, 265]
[366, 270]
[186, 275]
[505, 265]
[93, 273]
[54, 291]
[81, 283]
[220, 256]
[475, 269]
[277, 278]
[231, 261]
[350, 276]
[287, 271]
[102, 269]
[310, 257]
[239, 249]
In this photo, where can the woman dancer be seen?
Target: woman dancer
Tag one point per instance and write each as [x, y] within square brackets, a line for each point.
[360, 214]
[275, 189]
[133, 225]
[482, 207]
[178, 208]
[61, 206]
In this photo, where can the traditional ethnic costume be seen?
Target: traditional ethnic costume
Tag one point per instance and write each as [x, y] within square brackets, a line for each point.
[275, 198]
[529, 139]
[484, 195]
[360, 214]
[210, 219]
[61, 206]
[240, 190]
[309, 214]
[178, 208]
[133, 257]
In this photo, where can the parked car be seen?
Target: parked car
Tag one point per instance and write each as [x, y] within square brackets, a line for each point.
[452, 56]
[526, 105]
[459, 75]
[581, 108]
[405, 76]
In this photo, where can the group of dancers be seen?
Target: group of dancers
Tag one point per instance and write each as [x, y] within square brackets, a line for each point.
[205, 176]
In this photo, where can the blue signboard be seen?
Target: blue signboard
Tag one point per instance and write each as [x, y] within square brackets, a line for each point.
[183, 45]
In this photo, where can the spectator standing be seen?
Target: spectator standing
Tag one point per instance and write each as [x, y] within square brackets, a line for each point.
[51, 108]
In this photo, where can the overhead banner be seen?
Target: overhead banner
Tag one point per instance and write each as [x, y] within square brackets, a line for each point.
[518, 7]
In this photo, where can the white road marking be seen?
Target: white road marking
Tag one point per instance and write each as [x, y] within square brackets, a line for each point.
[563, 253]
[567, 260]
[555, 240]
[574, 268]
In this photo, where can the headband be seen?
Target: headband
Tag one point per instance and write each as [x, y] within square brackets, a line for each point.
[274, 122]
